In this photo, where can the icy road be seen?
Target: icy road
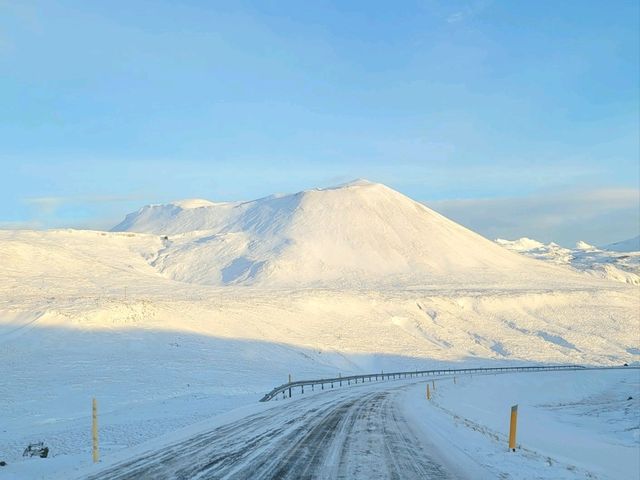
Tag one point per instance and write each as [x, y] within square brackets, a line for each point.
[354, 433]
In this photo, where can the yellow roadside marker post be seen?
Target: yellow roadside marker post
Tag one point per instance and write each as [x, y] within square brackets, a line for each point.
[428, 393]
[512, 428]
[94, 431]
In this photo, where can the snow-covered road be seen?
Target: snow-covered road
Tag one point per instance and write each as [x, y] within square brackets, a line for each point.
[572, 425]
[357, 434]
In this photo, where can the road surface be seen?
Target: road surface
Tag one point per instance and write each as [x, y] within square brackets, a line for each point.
[327, 436]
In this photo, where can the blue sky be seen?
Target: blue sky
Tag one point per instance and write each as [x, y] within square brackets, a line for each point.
[472, 106]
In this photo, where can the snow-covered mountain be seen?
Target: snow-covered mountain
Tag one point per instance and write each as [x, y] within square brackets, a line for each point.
[630, 245]
[621, 265]
[101, 314]
[357, 234]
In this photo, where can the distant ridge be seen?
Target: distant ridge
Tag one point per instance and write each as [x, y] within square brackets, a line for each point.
[630, 245]
[621, 266]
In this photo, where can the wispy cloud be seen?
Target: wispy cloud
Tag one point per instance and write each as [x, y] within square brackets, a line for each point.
[45, 205]
[468, 11]
[597, 216]
[51, 204]
[82, 211]
[21, 225]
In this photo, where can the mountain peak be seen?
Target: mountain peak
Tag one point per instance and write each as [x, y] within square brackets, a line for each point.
[581, 245]
[358, 182]
[189, 203]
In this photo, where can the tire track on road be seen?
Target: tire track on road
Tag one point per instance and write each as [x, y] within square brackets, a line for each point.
[318, 437]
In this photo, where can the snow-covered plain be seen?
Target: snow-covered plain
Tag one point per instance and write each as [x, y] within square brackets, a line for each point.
[195, 308]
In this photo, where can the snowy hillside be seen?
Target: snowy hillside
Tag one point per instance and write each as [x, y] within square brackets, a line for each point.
[360, 234]
[610, 263]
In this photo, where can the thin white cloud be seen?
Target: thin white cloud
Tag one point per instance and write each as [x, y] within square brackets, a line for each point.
[45, 205]
[468, 11]
[51, 204]
[21, 225]
[82, 211]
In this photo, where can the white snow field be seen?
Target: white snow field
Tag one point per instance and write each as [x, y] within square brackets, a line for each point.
[197, 308]
[619, 261]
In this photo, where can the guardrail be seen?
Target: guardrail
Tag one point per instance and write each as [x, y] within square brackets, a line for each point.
[287, 388]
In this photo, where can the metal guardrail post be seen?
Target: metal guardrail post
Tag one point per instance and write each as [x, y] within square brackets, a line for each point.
[94, 431]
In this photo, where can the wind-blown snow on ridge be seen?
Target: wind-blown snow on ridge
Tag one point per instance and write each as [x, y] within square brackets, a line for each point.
[356, 234]
[619, 266]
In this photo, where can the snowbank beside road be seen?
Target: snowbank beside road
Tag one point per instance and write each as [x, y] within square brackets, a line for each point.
[570, 424]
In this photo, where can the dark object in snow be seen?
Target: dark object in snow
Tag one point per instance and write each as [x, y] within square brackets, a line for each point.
[626, 365]
[3, 464]
[630, 398]
[36, 450]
